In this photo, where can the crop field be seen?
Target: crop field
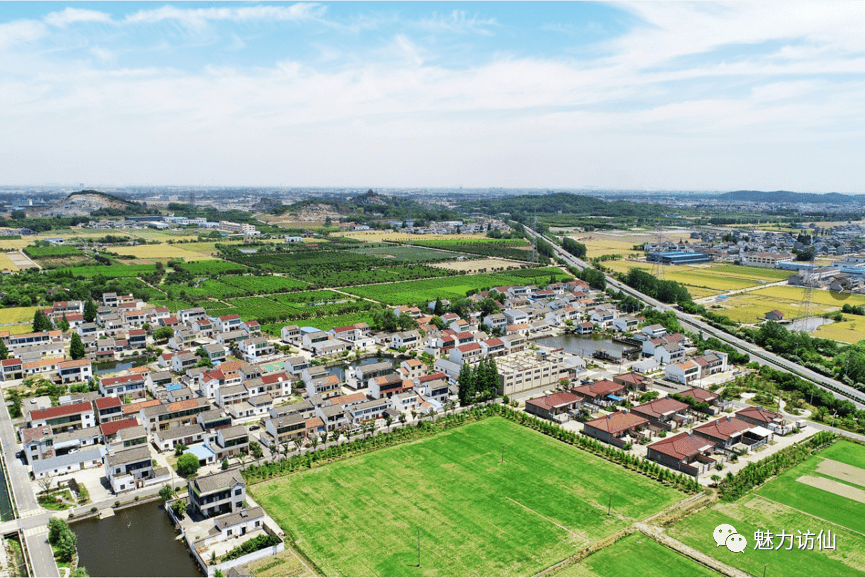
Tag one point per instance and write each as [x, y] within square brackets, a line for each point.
[6, 264]
[211, 288]
[708, 279]
[851, 330]
[402, 253]
[477, 516]
[478, 265]
[51, 251]
[636, 555]
[215, 268]
[324, 323]
[518, 249]
[264, 285]
[111, 270]
[16, 315]
[430, 289]
[785, 503]
[157, 235]
[379, 236]
[310, 297]
[163, 251]
[595, 247]
[751, 306]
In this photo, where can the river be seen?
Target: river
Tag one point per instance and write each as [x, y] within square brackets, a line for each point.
[137, 541]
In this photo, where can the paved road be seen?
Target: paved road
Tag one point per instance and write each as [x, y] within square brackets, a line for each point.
[41, 555]
[836, 388]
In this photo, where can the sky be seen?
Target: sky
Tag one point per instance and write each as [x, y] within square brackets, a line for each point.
[645, 95]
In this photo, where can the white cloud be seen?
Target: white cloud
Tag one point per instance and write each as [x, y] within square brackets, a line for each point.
[20, 31]
[73, 15]
[457, 21]
[198, 17]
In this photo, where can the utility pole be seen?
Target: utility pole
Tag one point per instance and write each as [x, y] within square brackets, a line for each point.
[418, 547]
[764, 569]
[610, 504]
[503, 453]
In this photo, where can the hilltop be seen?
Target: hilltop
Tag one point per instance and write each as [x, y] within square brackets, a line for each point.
[89, 203]
[791, 197]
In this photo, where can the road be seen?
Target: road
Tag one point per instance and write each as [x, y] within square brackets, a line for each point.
[839, 390]
[29, 510]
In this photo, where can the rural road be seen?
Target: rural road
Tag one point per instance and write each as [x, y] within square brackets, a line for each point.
[839, 390]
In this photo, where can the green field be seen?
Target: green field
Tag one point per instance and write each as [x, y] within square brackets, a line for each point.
[402, 253]
[752, 306]
[636, 555]
[785, 504]
[451, 287]
[477, 516]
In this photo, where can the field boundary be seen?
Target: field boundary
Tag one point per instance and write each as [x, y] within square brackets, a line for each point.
[542, 516]
[762, 497]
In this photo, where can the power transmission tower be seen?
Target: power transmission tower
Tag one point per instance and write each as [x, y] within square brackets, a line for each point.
[192, 198]
[537, 238]
[806, 307]
[658, 266]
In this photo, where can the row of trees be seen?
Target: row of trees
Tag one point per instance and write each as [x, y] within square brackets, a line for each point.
[573, 247]
[479, 383]
[665, 291]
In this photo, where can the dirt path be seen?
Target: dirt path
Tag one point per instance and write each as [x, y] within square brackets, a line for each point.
[711, 298]
[660, 536]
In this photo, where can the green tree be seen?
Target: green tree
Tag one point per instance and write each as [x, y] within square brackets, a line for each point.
[466, 385]
[166, 493]
[179, 507]
[255, 450]
[439, 308]
[80, 572]
[163, 334]
[41, 321]
[187, 465]
[76, 347]
[224, 464]
[4, 351]
[90, 310]
[64, 323]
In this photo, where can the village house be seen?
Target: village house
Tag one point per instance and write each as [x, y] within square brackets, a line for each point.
[664, 413]
[684, 452]
[216, 494]
[551, 406]
[618, 428]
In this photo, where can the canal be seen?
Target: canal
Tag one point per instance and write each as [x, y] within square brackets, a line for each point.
[6, 512]
[583, 345]
[137, 541]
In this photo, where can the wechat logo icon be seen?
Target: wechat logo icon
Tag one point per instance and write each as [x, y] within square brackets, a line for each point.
[726, 535]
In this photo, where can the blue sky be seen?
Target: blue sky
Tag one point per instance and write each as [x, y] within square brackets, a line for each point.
[666, 95]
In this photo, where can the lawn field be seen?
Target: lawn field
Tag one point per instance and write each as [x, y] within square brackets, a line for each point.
[16, 315]
[636, 555]
[820, 503]
[597, 246]
[785, 504]
[477, 516]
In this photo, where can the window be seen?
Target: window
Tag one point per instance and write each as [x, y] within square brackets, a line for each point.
[238, 491]
[238, 505]
[228, 533]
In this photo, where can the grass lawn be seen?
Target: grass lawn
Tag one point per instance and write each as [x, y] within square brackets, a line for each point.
[785, 504]
[851, 330]
[820, 503]
[163, 251]
[753, 513]
[360, 516]
[636, 555]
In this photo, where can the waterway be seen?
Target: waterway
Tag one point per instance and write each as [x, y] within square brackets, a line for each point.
[583, 345]
[6, 512]
[137, 541]
[112, 366]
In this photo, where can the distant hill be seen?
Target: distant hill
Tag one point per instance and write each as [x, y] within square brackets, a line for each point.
[791, 197]
[368, 206]
[563, 203]
[89, 203]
